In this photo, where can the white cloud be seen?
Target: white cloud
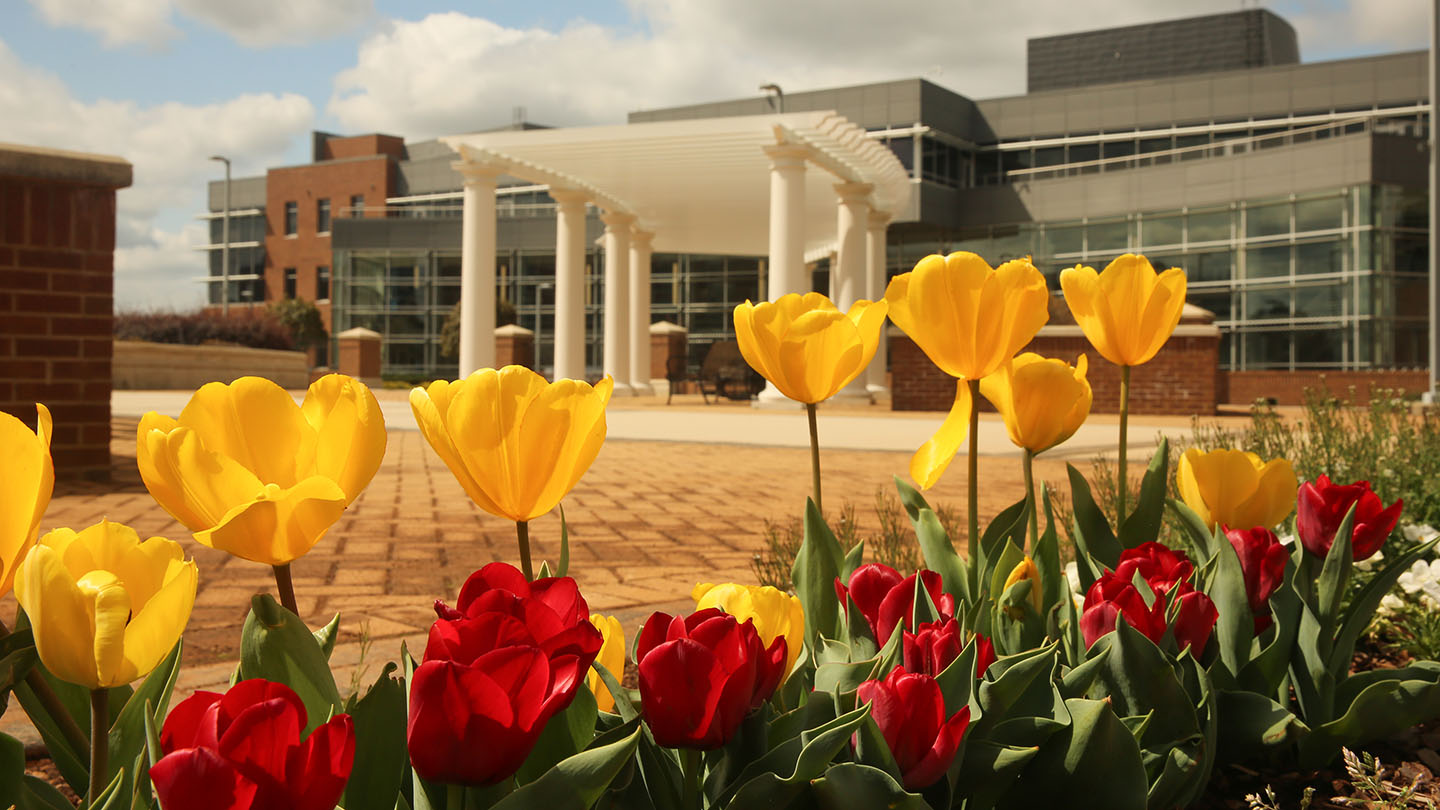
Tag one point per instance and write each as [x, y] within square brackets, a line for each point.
[168, 144]
[256, 23]
[452, 72]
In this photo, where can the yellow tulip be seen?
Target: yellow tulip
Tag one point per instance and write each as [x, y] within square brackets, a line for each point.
[966, 317]
[105, 608]
[776, 614]
[1128, 311]
[1236, 488]
[612, 657]
[516, 443]
[1043, 400]
[252, 473]
[29, 480]
[1025, 570]
[806, 346]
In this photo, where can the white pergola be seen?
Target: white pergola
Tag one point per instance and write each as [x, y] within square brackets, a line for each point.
[794, 187]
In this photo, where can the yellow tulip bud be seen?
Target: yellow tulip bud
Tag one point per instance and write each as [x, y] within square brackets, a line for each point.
[516, 443]
[1025, 570]
[966, 317]
[1236, 488]
[806, 346]
[1043, 400]
[105, 608]
[612, 657]
[776, 614]
[1128, 311]
[29, 480]
[250, 472]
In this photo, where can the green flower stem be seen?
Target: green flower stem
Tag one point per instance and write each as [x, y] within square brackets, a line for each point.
[53, 707]
[973, 482]
[454, 797]
[690, 797]
[99, 741]
[522, 536]
[814, 456]
[286, 587]
[1124, 445]
[1029, 463]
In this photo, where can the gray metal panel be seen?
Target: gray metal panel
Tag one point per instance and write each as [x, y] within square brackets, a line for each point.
[1401, 160]
[377, 234]
[245, 192]
[428, 176]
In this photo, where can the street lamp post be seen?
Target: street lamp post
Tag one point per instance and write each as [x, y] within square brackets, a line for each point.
[225, 241]
[779, 95]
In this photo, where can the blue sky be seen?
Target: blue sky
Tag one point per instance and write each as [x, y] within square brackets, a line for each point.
[165, 83]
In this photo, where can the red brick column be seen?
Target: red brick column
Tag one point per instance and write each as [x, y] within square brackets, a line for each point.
[667, 340]
[57, 243]
[359, 350]
[514, 346]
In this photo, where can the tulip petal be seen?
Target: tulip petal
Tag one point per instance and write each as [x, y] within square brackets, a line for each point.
[182, 724]
[156, 628]
[29, 481]
[431, 406]
[256, 423]
[930, 461]
[199, 777]
[279, 525]
[612, 657]
[350, 431]
[1162, 313]
[317, 770]
[581, 416]
[60, 614]
[195, 484]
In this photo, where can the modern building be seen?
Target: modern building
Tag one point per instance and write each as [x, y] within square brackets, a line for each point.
[1294, 194]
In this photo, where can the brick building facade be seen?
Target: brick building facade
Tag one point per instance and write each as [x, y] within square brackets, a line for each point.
[57, 242]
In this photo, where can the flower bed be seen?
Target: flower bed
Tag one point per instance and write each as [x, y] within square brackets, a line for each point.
[983, 679]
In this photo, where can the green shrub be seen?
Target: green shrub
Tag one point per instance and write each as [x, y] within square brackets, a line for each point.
[256, 329]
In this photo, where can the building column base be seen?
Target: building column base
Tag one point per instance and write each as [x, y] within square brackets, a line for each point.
[641, 389]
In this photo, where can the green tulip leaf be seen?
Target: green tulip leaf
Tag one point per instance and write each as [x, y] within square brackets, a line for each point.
[326, 636]
[1009, 556]
[562, 568]
[1047, 560]
[1201, 538]
[957, 682]
[842, 678]
[816, 567]
[544, 572]
[153, 722]
[1335, 579]
[1013, 681]
[859, 632]
[276, 645]
[17, 658]
[72, 763]
[41, 795]
[855, 786]
[1138, 679]
[854, 558]
[423, 794]
[1266, 671]
[1025, 732]
[989, 769]
[1235, 629]
[112, 797]
[624, 706]
[1077, 681]
[380, 753]
[779, 777]
[1362, 607]
[566, 734]
[815, 713]
[1143, 524]
[12, 768]
[1385, 707]
[935, 544]
[1091, 528]
[871, 748]
[576, 782]
[924, 609]
[127, 737]
[1095, 763]
[1252, 725]
[1008, 526]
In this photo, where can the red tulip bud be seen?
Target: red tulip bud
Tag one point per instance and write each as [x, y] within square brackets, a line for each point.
[1323, 506]
[888, 601]
[910, 711]
[1262, 561]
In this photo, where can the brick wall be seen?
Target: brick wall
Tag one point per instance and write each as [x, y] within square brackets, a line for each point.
[57, 242]
[1288, 387]
[1181, 379]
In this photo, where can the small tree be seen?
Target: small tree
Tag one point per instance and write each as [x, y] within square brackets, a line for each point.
[450, 330]
[302, 319]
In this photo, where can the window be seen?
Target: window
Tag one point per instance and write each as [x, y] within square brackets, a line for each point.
[289, 282]
[322, 215]
[322, 283]
[292, 219]
[357, 205]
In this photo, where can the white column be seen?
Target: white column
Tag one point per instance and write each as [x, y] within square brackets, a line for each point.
[477, 267]
[849, 280]
[787, 236]
[787, 220]
[640, 312]
[875, 275]
[617, 299]
[569, 283]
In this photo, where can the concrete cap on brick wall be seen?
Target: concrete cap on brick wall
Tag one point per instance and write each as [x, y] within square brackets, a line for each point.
[64, 166]
[667, 328]
[513, 330]
[359, 333]
[1193, 314]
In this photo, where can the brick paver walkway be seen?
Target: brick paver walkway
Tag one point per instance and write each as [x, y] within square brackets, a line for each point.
[647, 522]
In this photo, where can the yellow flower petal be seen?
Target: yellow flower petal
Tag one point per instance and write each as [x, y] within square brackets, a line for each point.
[930, 461]
[1236, 488]
[156, 628]
[350, 431]
[60, 616]
[1042, 400]
[805, 346]
[430, 406]
[611, 656]
[776, 614]
[1127, 311]
[189, 480]
[279, 525]
[29, 481]
[256, 423]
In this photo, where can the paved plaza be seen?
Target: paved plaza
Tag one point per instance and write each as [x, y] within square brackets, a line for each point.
[649, 520]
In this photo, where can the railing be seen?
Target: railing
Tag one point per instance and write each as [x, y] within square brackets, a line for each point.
[444, 211]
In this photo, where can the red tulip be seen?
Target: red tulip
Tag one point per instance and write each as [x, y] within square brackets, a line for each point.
[1112, 596]
[1159, 566]
[497, 667]
[701, 674]
[1195, 618]
[887, 600]
[1262, 561]
[242, 750]
[1323, 507]
[984, 655]
[931, 649]
[910, 711]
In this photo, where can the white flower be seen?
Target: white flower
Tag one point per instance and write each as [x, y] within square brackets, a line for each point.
[1072, 573]
[1371, 561]
[1422, 578]
[1391, 603]
[1418, 532]
[1287, 539]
